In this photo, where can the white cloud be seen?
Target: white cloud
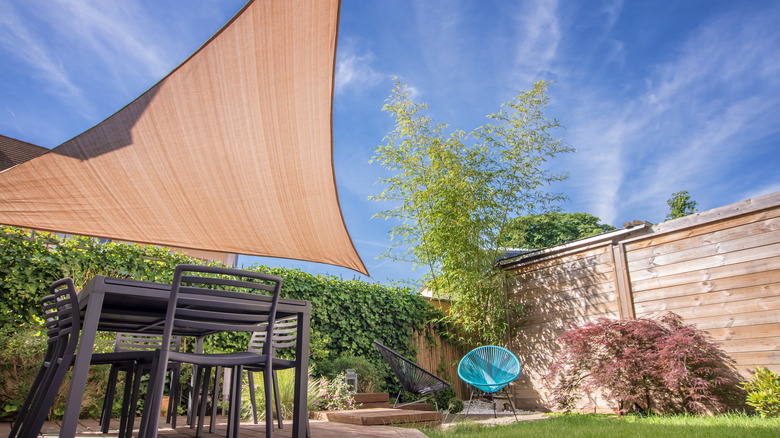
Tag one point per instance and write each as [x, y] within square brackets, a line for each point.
[354, 69]
[21, 41]
[701, 109]
[538, 33]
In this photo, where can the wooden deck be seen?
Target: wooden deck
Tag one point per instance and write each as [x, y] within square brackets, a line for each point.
[319, 429]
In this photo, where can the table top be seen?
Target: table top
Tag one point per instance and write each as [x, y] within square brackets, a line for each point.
[140, 306]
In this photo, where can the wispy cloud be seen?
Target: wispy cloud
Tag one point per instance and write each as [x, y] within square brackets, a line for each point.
[21, 41]
[711, 96]
[354, 68]
[538, 34]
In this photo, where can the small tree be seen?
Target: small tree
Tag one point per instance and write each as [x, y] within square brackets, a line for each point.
[661, 364]
[680, 204]
[553, 228]
[453, 194]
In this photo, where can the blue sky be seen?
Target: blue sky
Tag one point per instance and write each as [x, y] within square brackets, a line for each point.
[656, 96]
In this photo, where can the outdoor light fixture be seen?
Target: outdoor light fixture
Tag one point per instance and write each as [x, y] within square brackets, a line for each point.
[350, 378]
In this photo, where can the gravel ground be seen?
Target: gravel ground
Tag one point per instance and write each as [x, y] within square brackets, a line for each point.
[482, 412]
[485, 407]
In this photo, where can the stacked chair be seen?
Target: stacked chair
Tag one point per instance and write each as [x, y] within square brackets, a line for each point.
[62, 323]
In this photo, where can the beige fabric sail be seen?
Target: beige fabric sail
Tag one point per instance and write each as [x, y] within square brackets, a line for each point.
[231, 152]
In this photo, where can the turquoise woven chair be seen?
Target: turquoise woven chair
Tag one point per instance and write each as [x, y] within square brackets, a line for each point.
[488, 370]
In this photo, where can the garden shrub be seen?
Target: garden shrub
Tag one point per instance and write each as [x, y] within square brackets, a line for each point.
[763, 392]
[448, 401]
[369, 375]
[20, 359]
[333, 395]
[659, 364]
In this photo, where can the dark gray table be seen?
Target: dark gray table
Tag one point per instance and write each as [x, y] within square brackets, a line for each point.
[122, 305]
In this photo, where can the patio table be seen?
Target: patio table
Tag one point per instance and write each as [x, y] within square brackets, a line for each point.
[115, 304]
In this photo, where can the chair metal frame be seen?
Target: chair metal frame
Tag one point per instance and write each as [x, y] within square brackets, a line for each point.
[413, 378]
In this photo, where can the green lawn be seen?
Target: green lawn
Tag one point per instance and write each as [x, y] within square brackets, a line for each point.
[611, 426]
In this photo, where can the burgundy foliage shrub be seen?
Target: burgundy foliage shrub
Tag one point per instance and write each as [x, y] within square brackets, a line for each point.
[660, 364]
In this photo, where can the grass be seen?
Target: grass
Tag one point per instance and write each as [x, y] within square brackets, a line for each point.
[612, 426]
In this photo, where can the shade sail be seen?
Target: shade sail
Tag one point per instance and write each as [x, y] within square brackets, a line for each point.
[231, 152]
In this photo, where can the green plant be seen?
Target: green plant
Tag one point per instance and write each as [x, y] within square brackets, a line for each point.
[448, 401]
[368, 374]
[333, 395]
[452, 194]
[763, 392]
[20, 360]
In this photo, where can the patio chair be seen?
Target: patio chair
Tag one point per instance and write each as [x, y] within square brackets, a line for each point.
[284, 336]
[413, 378]
[488, 370]
[204, 314]
[62, 321]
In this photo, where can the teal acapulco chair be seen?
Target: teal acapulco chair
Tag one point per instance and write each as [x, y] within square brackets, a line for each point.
[488, 370]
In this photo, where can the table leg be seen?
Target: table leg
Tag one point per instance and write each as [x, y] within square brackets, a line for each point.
[301, 412]
[81, 367]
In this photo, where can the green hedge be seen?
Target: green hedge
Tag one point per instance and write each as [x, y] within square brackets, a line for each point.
[346, 315]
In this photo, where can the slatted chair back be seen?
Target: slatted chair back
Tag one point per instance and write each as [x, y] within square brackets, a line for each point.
[489, 368]
[201, 312]
[139, 342]
[284, 336]
[413, 378]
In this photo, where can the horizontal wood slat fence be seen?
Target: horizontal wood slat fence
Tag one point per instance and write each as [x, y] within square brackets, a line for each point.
[718, 269]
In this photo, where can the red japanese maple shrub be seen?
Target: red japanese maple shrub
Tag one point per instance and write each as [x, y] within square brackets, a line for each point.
[654, 364]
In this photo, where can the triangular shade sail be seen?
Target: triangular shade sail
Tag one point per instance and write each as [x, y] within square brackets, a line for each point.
[231, 152]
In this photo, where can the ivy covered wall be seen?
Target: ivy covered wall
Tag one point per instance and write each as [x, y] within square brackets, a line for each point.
[346, 315]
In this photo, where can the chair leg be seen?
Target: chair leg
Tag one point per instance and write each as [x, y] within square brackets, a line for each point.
[470, 399]
[234, 416]
[509, 398]
[252, 397]
[173, 408]
[398, 397]
[32, 427]
[130, 409]
[194, 397]
[39, 377]
[108, 400]
[204, 395]
[278, 401]
[127, 398]
[215, 400]
[269, 415]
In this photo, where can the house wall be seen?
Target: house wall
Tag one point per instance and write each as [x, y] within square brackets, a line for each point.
[718, 269]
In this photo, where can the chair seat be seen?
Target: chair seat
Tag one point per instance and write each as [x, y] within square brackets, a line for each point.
[278, 364]
[221, 359]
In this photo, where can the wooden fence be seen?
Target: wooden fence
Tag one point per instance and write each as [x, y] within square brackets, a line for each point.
[718, 269]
